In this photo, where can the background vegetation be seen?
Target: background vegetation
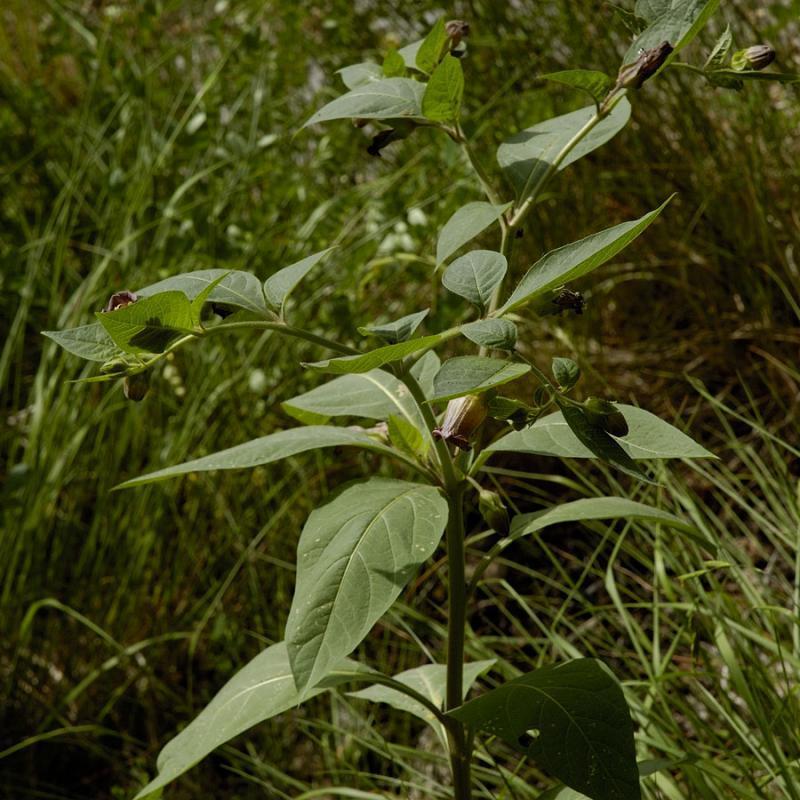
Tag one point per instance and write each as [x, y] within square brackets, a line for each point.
[141, 139]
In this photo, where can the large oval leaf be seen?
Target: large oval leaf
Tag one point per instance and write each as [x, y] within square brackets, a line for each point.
[572, 719]
[386, 99]
[649, 437]
[260, 690]
[528, 155]
[354, 557]
[266, 450]
[574, 260]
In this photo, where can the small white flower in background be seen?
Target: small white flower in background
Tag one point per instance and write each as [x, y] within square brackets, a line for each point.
[257, 381]
[416, 216]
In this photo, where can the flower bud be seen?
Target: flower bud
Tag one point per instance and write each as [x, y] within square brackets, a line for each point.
[456, 30]
[493, 511]
[135, 387]
[632, 76]
[463, 417]
[120, 300]
[756, 57]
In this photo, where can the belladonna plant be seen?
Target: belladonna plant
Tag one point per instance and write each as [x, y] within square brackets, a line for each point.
[441, 396]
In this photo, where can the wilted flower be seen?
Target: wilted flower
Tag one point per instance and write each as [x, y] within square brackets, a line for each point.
[120, 300]
[632, 76]
[461, 420]
[456, 30]
[756, 57]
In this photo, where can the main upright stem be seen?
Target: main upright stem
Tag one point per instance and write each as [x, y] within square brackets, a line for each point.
[454, 487]
[460, 755]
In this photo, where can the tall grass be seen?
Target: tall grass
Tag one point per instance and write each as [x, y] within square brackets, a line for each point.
[141, 140]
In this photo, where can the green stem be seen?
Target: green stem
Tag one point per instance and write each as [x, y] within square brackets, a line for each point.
[532, 193]
[483, 178]
[454, 487]
[460, 746]
[287, 330]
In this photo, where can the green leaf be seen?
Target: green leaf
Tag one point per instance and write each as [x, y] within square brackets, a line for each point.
[529, 155]
[91, 342]
[237, 288]
[202, 299]
[572, 720]
[475, 275]
[500, 334]
[673, 21]
[399, 330]
[595, 84]
[442, 99]
[393, 64]
[474, 375]
[389, 98]
[358, 74]
[577, 259]
[279, 286]
[566, 372]
[430, 681]
[408, 437]
[424, 371]
[752, 75]
[262, 689]
[602, 444]
[370, 395]
[592, 508]
[648, 438]
[409, 53]
[465, 225]
[431, 48]
[150, 324]
[354, 557]
[377, 358]
[721, 49]
[266, 450]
